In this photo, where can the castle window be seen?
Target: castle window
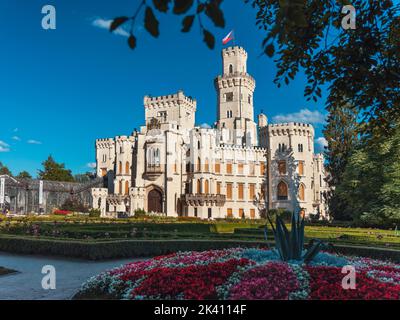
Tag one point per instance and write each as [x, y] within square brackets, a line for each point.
[198, 164]
[126, 187]
[252, 213]
[249, 98]
[301, 168]
[282, 147]
[218, 187]
[282, 167]
[262, 168]
[198, 145]
[252, 192]
[217, 167]
[230, 68]
[127, 171]
[252, 169]
[240, 168]
[229, 213]
[207, 187]
[229, 96]
[229, 168]
[153, 157]
[120, 167]
[282, 191]
[120, 187]
[240, 191]
[229, 191]
[300, 147]
[301, 192]
[104, 158]
[206, 166]
[241, 213]
[199, 186]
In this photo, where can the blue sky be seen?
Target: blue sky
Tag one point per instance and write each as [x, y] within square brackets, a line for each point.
[61, 89]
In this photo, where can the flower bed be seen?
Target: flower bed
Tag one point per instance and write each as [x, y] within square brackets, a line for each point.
[242, 273]
[62, 212]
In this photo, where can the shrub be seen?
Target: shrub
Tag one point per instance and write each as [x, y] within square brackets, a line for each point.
[94, 213]
[140, 213]
[74, 204]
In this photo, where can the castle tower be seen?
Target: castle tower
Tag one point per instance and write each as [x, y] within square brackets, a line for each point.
[235, 91]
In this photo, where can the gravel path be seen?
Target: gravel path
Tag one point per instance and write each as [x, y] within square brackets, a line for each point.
[70, 274]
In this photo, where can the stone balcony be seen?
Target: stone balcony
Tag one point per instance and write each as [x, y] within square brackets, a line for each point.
[204, 199]
[153, 172]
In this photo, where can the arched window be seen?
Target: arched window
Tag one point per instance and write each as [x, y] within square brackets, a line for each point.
[120, 187]
[198, 164]
[230, 68]
[126, 187]
[120, 167]
[127, 169]
[198, 145]
[302, 193]
[206, 187]
[206, 166]
[282, 191]
[198, 186]
[301, 168]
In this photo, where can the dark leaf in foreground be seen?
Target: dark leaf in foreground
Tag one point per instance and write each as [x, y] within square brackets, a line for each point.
[161, 5]
[209, 39]
[117, 22]
[182, 6]
[151, 23]
[187, 23]
[132, 42]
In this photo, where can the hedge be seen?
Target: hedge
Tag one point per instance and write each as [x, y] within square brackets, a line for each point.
[101, 250]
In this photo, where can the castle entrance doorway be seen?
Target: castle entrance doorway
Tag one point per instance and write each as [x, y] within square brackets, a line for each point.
[154, 201]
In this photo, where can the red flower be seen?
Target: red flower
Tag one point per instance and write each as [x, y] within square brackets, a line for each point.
[326, 284]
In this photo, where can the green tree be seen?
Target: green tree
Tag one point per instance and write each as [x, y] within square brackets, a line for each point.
[4, 170]
[341, 134]
[54, 171]
[371, 181]
[24, 175]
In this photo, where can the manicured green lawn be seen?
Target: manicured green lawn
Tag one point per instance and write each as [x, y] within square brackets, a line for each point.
[88, 229]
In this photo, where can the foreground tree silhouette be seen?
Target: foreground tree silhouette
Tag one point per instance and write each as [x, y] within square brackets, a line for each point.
[361, 65]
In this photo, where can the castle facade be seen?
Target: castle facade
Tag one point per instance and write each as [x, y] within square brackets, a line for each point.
[235, 169]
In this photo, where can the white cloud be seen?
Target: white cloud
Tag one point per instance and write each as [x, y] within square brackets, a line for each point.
[321, 142]
[16, 138]
[91, 165]
[105, 24]
[303, 116]
[205, 126]
[31, 141]
[4, 147]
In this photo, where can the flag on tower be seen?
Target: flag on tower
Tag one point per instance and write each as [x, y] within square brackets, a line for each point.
[230, 36]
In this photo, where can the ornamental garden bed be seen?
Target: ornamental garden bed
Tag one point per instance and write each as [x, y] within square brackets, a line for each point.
[243, 273]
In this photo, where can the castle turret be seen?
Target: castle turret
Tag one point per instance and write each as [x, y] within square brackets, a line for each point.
[235, 91]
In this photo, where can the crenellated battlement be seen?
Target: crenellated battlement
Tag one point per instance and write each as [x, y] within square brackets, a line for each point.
[234, 80]
[105, 143]
[178, 98]
[235, 50]
[293, 128]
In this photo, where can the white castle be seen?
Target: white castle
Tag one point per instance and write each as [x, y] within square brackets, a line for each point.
[175, 168]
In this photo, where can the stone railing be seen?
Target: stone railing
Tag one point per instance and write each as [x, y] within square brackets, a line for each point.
[204, 199]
